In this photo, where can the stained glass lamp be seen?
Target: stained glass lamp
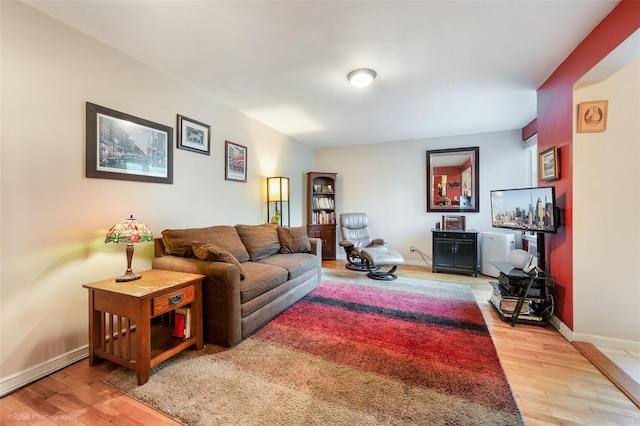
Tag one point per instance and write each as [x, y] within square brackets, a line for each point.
[129, 231]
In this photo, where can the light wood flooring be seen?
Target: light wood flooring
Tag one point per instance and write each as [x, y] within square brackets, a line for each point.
[553, 382]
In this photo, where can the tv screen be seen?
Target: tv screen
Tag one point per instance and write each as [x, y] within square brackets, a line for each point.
[525, 209]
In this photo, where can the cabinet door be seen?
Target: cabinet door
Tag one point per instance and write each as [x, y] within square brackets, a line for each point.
[443, 253]
[465, 257]
[329, 243]
[327, 234]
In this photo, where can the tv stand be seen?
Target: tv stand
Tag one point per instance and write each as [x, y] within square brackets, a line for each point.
[515, 288]
[541, 252]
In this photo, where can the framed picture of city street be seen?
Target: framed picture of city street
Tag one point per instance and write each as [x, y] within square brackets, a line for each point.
[235, 162]
[193, 135]
[121, 146]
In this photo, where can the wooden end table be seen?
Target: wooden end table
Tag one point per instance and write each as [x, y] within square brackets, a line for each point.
[130, 323]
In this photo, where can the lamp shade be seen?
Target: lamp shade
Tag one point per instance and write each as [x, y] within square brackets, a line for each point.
[278, 188]
[129, 231]
[278, 200]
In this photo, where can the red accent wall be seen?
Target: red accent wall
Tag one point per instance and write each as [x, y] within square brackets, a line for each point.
[555, 127]
[530, 130]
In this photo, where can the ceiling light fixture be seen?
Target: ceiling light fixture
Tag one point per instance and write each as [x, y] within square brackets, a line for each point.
[361, 77]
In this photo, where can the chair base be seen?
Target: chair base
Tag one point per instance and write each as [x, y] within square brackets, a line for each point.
[360, 267]
[374, 259]
[383, 275]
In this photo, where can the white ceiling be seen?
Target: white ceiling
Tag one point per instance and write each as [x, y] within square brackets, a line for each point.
[444, 67]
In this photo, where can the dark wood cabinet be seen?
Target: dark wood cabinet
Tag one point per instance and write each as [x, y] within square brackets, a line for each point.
[321, 211]
[327, 233]
[455, 251]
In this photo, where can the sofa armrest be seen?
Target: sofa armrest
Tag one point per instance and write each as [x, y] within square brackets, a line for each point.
[316, 246]
[220, 295]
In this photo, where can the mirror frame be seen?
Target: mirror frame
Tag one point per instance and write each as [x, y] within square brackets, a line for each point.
[432, 157]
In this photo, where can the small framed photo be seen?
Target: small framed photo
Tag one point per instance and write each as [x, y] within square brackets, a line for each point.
[451, 222]
[121, 146]
[592, 116]
[548, 167]
[235, 162]
[193, 135]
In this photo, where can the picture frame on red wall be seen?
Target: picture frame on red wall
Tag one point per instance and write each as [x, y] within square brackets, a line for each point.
[549, 166]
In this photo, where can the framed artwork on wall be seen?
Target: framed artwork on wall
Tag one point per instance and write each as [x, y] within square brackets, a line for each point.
[125, 147]
[592, 116]
[235, 162]
[193, 135]
[548, 166]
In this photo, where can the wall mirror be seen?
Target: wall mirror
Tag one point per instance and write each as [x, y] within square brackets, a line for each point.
[453, 180]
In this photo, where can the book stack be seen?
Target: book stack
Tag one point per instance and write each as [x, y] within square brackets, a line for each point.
[182, 323]
[323, 218]
[323, 203]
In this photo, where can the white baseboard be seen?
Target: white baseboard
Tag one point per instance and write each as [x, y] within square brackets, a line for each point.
[598, 341]
[562, 328]
[23, 378]
[607, 342]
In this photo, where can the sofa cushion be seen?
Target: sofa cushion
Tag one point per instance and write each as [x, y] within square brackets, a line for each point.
[294, 240]
[213, 253]
[260, 240]
[295, 263]
[260, 278]
[177, 242]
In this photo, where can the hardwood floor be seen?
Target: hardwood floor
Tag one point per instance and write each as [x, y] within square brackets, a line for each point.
[553, 382]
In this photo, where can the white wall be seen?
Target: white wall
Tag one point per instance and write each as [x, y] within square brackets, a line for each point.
[388, 182]
[606, 202]
[54, 218]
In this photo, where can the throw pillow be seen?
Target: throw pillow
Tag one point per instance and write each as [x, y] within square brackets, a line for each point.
[177, 242]
[294, 240]
[260, 240]
[213, 253]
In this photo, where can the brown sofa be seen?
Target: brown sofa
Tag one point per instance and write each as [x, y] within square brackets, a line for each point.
[254, 272]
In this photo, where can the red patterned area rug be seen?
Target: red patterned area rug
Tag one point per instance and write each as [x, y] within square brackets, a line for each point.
[353, 352]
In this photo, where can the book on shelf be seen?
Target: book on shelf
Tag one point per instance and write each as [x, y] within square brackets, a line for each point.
[182, 323]
[323, 218]
[178, 325]
[323, 203]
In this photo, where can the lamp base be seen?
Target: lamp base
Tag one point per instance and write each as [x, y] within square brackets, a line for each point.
[128, 276]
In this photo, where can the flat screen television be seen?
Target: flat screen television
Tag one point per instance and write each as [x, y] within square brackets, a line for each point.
[525, 209]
